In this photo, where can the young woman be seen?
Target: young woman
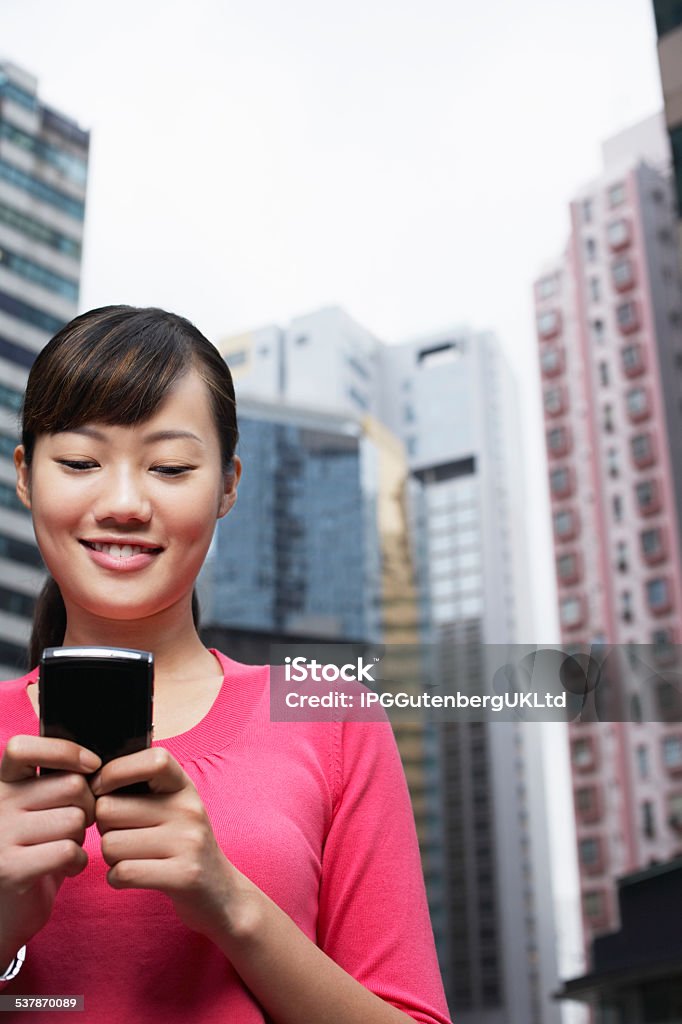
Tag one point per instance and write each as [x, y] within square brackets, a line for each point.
[273, 871]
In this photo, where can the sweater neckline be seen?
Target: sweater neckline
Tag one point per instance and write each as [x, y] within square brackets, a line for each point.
[241, 689]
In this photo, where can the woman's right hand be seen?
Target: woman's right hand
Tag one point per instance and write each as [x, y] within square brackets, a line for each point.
[42, 830]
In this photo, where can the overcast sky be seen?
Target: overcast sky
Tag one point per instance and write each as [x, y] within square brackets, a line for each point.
[409, 160]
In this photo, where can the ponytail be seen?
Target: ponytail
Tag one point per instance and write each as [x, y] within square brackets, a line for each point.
[49, 620]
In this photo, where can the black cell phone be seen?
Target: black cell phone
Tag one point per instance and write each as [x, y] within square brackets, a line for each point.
[99, 697]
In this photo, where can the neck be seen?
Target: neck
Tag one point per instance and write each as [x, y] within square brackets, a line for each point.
[170, 635]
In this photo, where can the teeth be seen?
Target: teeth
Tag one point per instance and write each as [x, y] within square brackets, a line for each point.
[118, 550]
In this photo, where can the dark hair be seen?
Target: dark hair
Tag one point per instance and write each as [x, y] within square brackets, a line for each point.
[116, 365]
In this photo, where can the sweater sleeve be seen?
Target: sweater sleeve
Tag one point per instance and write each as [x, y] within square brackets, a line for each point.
[373, 914]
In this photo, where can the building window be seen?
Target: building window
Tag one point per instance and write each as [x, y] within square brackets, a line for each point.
[622, 273]
[607, 414]
[594, 905]
[626, 315]
[587, 209]
[643, 761]
[622, 556]
[548, 323]
[554, 401]
[567, 567]
[571, 612]
[582, 753]
[632, 359]
[595, 289]
[585, 798]
[597, 328]
[616, 194]
[408, 413]
[560, 482]
[652, 543]
[675, 811]
[641, 446]
[617, 507]
[551, 361]
[658, 595]
[547, 286]
[558, 441]
[626, 606]
[637, 403]
[618, 233]
[612, 462]
[590, 852]
[237, 358]
[648, 824]
[604, 374]
[590, 250]
[647, 496]
[565, 525]
[672, 751]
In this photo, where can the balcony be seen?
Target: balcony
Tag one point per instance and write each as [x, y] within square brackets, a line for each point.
[552, 361]
[588, 804]
[549, 324]
[627, 317]
[561, 482]
[623, 274]
[632, 359]
[648, 497]
[566, 523]
[642, 451]
[559, 442]
[584, 754]
[569, 568]
[572, 612]
[638, 404]
[653, 545]
[555, 401]
[658, 594]
[618, 234]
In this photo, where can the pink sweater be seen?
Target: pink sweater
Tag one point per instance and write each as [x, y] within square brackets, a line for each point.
[316, 814]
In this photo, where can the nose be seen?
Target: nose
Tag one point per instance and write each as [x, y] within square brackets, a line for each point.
[123, 497]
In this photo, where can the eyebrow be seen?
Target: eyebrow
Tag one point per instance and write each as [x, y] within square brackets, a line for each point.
[157, 435]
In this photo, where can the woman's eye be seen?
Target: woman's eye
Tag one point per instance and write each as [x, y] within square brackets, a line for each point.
[172, 470]
[75, 464]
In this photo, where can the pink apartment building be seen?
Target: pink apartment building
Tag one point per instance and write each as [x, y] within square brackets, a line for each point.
[609, 326]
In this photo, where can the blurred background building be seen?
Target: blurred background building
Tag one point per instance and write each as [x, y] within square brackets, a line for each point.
[448, 402]
[668, 14]
[43, 176]
[609, 321]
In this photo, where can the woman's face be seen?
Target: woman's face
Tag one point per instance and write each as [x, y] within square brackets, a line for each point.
[156, 486]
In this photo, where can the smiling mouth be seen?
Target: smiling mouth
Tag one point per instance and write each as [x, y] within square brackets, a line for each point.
[121, 550]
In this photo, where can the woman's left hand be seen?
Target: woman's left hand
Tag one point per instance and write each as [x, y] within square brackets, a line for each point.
[164, 840]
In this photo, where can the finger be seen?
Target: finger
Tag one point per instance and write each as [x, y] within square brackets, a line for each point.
[19, 872]
[121, 812]
[139, 844]
[169, 876]
[154, 765]
[37, 794]
[23, 754]
[54, 823]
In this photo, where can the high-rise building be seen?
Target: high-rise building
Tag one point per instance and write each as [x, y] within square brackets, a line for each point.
[449, 399]
[668, 14]
[609, 322]
[43, 173]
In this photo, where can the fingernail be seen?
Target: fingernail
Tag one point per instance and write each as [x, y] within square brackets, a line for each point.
[89, 760]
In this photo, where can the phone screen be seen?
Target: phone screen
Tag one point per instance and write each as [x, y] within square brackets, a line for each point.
[99, 697]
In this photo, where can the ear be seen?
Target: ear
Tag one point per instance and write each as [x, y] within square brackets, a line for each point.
[231, 482]
[23, 476]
